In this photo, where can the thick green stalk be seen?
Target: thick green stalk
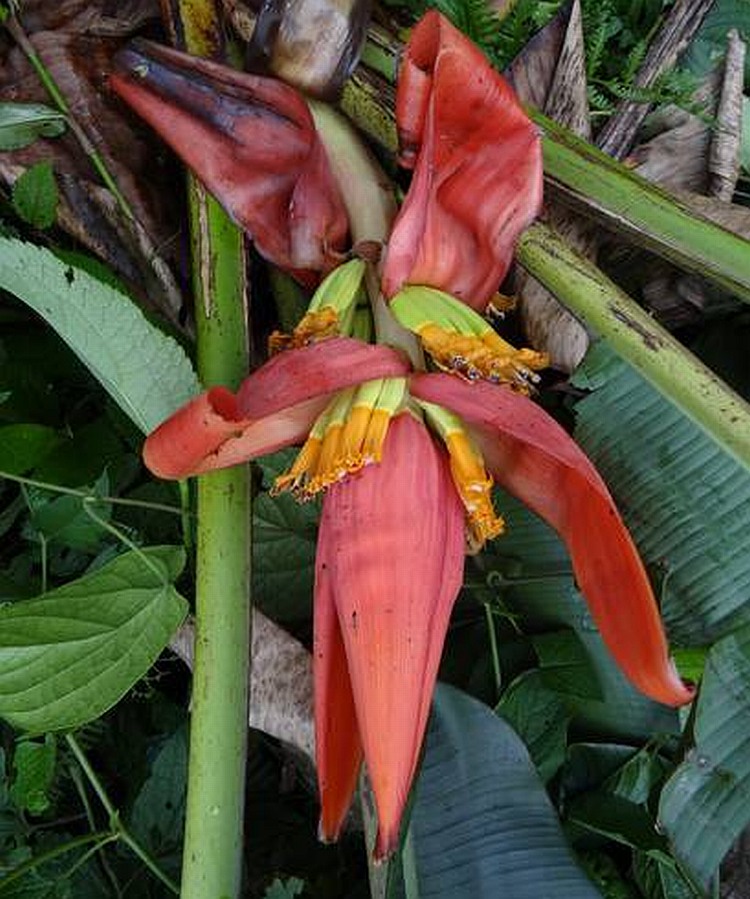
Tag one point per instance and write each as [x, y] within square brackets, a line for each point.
[582, 176]
[212, 853]
[599, 186]
[639, 339]
[218, 733]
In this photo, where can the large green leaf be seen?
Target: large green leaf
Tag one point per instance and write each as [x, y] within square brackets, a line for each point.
[482, 824]
[146, 372]
[540, 717]
[23, 446]
[70, 654]
[686, 502]
[705, 805]
[157, 819]
[529, 569]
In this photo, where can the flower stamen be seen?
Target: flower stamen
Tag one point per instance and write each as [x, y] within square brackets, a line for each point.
[461, 342]
[331, 311]
[347, 436]
[472, 482]
[314, 326]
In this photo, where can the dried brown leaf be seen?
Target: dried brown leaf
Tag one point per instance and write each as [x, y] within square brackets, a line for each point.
[551, 72]
[79, 63]
[281, 693]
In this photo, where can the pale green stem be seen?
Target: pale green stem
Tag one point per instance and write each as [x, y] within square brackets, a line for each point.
[371, 207]
[99, 839]
[118, 828]
[124, 539]
[599, 186]
[638, 339]
[213, 846]
[77, 778]
[212, 857]
[496, 670]
[91, 497]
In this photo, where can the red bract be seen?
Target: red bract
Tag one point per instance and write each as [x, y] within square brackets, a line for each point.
[390, 559]
[275, 407]
[252, 142]
[531, 456]
[477, 163]
[388, 569]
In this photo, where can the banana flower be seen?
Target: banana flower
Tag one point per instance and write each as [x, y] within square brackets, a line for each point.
[405, 459]
[391, 543]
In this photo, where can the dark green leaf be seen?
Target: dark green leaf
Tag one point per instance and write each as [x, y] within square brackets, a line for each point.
[603, 870]
[636, 779]
[63, 518]
[686, 502]
[540, 718]
[159, 809]
[69, 655]
[660, 878]
[83, 457]
[146, 372]
[482, 825]
[34, 771]
[35, 197]
[287, 889]
[618, 819]
[22, 123]
[23, 446]
[284, 537]
[588, 765]
[705, 805]
[565, 664]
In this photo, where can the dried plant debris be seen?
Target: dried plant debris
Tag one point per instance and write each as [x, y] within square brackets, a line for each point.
[78, 60]
[696, 157]
[280, 683]
[550, 73]
[724, 159]
[83, 16]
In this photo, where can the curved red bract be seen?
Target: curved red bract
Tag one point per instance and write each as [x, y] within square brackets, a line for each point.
[252, 142]
[274, 407]
[477, 162]
[536, 460]
[390, 561]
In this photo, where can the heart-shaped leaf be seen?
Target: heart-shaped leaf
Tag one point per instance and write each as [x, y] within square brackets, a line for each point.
[68, 655]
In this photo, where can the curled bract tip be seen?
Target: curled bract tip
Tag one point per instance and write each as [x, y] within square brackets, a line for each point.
[477, 163]
[252, 142]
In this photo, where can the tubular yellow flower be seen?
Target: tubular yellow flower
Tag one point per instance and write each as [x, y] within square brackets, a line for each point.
[331, 312]
[347, 436]
[461, 342]
[472, 482]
